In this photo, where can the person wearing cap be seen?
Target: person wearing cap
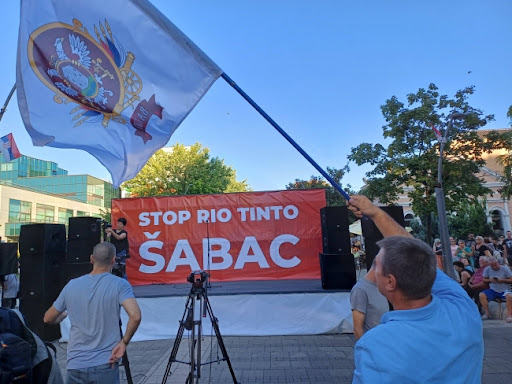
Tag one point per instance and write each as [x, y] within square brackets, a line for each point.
[424, 340]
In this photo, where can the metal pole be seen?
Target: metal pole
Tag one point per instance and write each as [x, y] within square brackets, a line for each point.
[285, 135]
[441, 208]
[4, 108]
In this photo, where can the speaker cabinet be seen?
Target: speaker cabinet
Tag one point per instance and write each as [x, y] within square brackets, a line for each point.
[8, 258]
[372, 235]
[42, 238]
[85, 228]
[338, 270]
[34, 310]
[74, 270]
[79, 251]
[335, 231]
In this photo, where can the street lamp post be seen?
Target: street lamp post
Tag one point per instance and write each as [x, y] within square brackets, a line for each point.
[441, 207]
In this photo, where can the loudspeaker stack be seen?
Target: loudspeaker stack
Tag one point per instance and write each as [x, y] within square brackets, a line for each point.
[42, 254]
[337, 265]
[84, 234]
[372, 235]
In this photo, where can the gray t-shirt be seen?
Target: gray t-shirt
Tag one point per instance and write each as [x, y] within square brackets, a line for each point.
[366, 298]
[12, 286]
[93, 305]
[502, 273]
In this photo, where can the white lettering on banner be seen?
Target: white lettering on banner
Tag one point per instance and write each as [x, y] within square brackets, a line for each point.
[221, 253]
[158, 259]
[250, 252]
[182, 246]
[168, 217]
[223, 215]
[250, 242]
[263, 213]
[276, 256]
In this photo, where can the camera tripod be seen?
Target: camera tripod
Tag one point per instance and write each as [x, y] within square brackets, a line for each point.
[198, 296]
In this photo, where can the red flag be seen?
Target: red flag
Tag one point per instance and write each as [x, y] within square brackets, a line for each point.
[438, 134]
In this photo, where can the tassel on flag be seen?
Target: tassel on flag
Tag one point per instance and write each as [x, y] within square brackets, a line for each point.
[9, 148]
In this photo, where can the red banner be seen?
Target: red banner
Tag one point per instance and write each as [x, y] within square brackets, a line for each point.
[236, 236]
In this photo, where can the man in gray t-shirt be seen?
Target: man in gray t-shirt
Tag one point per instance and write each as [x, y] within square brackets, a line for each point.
[499, 278]
[93, 304]
[368, 304]
[10, 291]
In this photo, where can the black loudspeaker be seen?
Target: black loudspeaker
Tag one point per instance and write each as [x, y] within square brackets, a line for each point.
[338, 270]
[372, 235]
[34, 310]
[335, 231]
[79, 251]
[8, 258]
[42, 238]
[85, 228]
[74, 270]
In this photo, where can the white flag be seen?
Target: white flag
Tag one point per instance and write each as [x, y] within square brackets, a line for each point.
[114, 78]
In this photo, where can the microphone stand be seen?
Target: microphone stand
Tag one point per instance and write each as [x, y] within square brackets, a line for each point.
[208, 283]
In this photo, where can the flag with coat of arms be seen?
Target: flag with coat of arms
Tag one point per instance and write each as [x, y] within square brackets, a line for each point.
[114, 78]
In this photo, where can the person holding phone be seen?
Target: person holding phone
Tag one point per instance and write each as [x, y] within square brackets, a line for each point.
[499, 278]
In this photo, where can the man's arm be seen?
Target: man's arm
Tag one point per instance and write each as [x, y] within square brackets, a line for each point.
[134, 318]
[361, 206]
[358, 319]
[52, 316]
[118, 236]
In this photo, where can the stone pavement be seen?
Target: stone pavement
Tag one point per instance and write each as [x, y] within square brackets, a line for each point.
[314, 359]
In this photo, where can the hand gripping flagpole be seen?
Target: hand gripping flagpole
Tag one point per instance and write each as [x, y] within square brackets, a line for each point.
[4, 108]
[285, 135]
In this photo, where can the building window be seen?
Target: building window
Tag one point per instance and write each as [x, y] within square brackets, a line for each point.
[81, 213]
[64, 215]
[45, 213]
[497, 220]
[19, 211]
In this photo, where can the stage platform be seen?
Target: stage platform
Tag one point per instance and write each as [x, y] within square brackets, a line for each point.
[244, 308]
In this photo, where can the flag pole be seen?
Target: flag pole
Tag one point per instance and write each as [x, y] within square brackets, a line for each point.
[4, 108]
[285, 135]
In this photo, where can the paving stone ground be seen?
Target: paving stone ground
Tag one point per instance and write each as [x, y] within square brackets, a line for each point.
[314, 359]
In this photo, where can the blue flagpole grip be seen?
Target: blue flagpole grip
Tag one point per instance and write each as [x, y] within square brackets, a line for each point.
[285, 135]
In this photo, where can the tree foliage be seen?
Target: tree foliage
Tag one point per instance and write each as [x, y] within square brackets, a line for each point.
[184, 170]
[333, 197]
[470, 218]
[408, 160]
[505, 161]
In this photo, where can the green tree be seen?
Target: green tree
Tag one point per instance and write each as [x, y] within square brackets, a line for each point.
[333, 197]
[411, 156]
[469, 218]
[184, 170]
[504, 141]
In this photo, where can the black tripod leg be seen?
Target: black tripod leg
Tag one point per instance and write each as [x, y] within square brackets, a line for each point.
[125, 361]
[215, 324]
[177, 341]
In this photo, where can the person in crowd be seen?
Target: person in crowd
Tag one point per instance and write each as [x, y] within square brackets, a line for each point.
[424, 338]
[356, 252]
[499, 278]
[463, 252]
[508, 247]
[119, 237]
[471, 242]
[93, 304]
[438, 250]
[464, 275]
[453, 248]
[498, 245]
[477, 283]
[468, 266]
[10, 289]
[368, 304]
[480, 250]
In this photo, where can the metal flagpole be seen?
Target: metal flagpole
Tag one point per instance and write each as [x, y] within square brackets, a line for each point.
[4, 108]
[285, 135]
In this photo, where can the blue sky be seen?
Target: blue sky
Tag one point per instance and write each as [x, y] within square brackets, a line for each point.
[320, 69]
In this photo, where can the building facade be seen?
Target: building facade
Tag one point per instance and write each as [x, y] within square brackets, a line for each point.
[38, 191]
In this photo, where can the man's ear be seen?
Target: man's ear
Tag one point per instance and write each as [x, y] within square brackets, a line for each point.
[91, 259]
[390, 285]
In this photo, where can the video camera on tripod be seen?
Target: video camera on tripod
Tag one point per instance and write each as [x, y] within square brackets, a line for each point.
[197, 278]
